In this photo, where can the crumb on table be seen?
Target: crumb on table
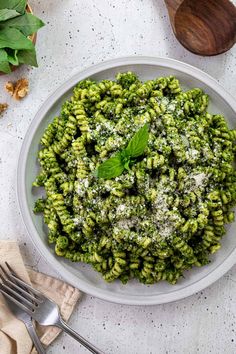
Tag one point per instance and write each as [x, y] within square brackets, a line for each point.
[3, 107]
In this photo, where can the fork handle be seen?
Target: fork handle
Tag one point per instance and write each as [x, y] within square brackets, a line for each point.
[33, 335]
[62, 325]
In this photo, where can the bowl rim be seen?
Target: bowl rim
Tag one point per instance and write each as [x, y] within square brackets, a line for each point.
[103, 294]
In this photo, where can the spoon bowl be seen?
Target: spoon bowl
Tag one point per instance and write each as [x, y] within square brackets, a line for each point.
[204, 27]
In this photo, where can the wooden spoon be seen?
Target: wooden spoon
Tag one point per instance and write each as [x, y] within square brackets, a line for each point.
[205, 27]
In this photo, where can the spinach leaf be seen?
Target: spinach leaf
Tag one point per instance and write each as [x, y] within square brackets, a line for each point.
[27, 57]
[13, 38]
[18, 5]
[12, 56]
[26, 23]
[4, 65]
[6, 14]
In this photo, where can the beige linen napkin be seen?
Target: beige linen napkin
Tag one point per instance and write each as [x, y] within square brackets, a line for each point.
[14, 338]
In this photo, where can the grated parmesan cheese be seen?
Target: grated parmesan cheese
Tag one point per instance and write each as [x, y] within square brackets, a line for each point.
[199, 179]
[120, 208]
[126, 224]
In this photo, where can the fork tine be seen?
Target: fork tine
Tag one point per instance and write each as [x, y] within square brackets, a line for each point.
[4, 272]
[10, 269]
[27, 295]
[20, 291]
[21, 283]
[6, 280]
[11, 298]
[13, 272]
[18, 296]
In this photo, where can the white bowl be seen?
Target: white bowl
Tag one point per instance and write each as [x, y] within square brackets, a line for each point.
[81, 275]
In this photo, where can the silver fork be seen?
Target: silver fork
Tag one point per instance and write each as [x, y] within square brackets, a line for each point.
[27, 319]
[42, 309]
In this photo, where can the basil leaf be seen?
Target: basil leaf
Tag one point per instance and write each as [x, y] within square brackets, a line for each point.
[27, 57]
[114, 166]
[5, 14]
[138, 143]
[14, 39]
[27, 24]
[124, 155]
[18, 5]
[111, 168]
[4, 65]
[12, 56]
[126, 165]
[125, 159]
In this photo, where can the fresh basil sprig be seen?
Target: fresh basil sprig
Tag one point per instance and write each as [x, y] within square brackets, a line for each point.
[116, 165]
[15, 27]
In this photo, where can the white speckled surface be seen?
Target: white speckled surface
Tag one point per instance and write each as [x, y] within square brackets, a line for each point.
[80, 33]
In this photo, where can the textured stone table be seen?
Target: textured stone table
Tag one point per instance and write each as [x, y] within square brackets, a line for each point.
[80, 33]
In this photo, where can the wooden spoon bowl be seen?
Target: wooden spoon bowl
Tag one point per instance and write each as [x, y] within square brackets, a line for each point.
[204, 27]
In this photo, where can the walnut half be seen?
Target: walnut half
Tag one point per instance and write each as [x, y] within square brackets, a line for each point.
[9, 87]
[19, 89]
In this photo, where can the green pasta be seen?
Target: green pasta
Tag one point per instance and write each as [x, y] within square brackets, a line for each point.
[166, 210]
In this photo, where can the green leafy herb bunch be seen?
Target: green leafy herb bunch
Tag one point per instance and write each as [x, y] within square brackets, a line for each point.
[16, 25]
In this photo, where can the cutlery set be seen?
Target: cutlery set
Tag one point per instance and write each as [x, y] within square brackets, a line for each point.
[28, 304]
